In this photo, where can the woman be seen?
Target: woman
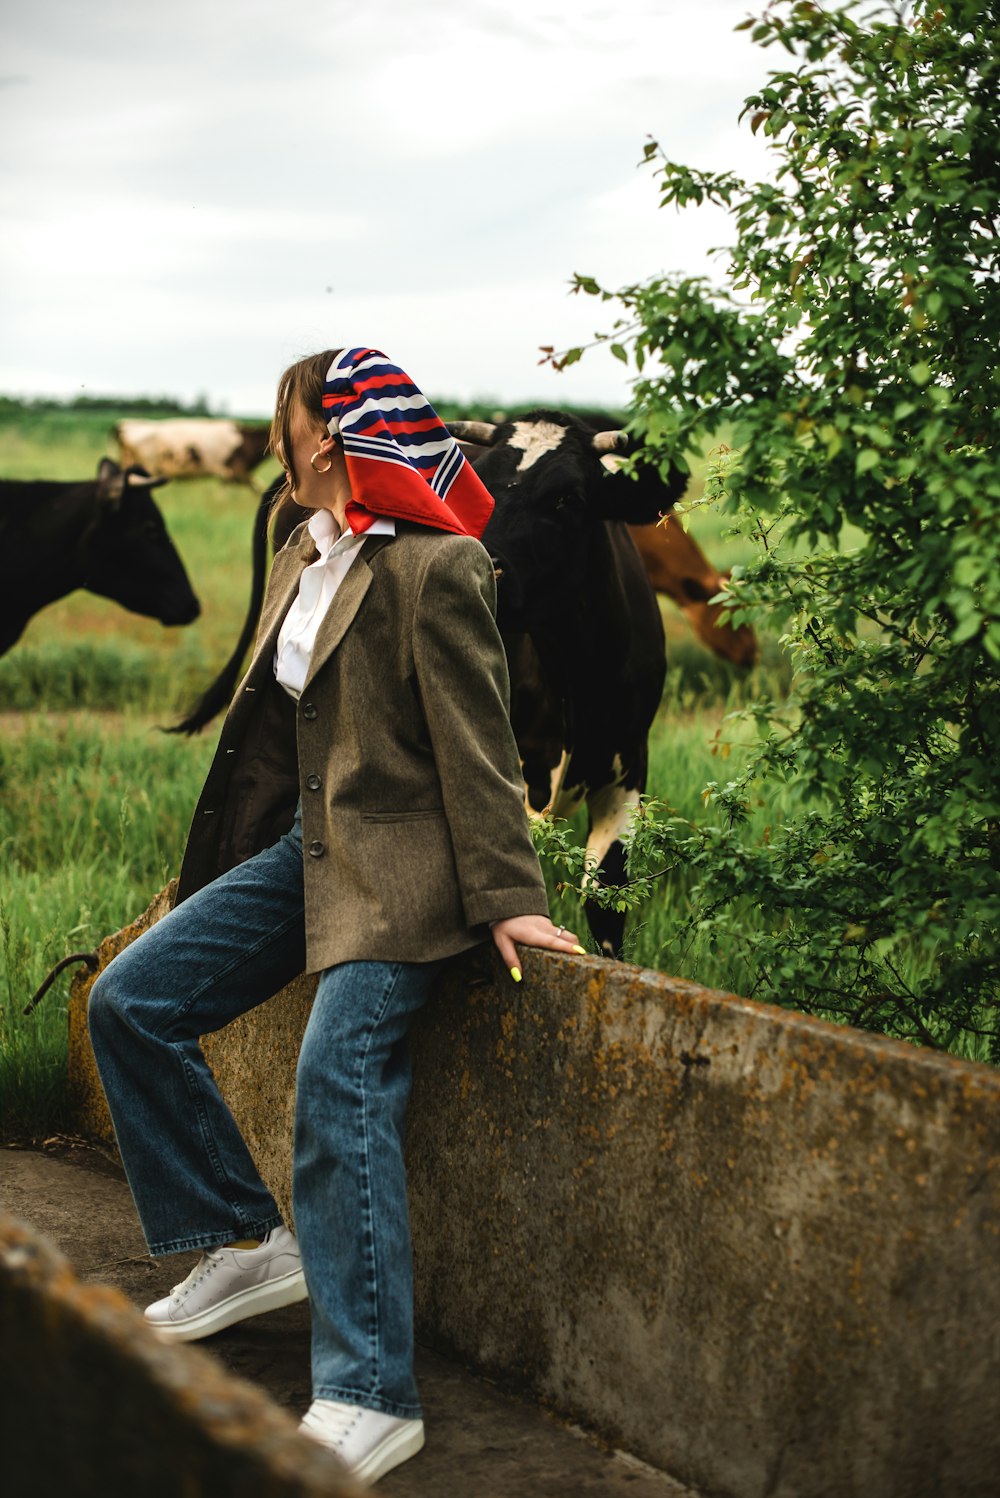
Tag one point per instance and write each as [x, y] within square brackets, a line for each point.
[362, 820]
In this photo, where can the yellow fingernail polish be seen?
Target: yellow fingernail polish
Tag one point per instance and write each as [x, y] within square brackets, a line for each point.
[580, 951]
[515, 973]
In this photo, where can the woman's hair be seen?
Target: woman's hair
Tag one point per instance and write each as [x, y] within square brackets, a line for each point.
[300, 385]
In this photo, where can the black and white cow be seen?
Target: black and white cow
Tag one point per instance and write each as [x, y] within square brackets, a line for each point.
[579, 621]
[193, 447]
[105, 535]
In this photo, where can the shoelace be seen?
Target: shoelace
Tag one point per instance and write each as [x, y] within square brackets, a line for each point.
[332, 1425]
[209, 1260]
[205, 1265]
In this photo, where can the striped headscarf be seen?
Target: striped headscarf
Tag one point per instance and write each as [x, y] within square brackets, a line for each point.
[401, 460]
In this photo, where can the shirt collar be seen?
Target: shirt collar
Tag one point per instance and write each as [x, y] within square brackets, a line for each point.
[323, 529]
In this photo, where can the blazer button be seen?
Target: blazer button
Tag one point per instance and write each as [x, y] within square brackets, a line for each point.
[309, 710]
[316, 850]
[313, 782]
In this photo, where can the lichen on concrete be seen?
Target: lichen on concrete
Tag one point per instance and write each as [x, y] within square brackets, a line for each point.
[91, 1403]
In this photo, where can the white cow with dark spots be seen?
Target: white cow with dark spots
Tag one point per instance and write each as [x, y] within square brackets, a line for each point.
[192, 447]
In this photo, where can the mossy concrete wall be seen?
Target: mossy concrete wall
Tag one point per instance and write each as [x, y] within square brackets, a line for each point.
[92, 1405]
[758, 1251]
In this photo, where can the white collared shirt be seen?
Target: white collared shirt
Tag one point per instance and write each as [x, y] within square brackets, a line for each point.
[317, 588]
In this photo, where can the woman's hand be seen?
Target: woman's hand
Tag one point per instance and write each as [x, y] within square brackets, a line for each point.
[531, 931]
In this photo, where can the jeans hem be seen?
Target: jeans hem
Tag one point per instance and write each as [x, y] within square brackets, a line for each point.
[368, 1401]
[216, 1239]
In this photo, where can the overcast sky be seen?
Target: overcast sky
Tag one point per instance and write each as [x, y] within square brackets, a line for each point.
[197, 192]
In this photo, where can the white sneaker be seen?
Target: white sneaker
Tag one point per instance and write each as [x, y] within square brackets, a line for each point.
[231, 1284]
[368, 1443]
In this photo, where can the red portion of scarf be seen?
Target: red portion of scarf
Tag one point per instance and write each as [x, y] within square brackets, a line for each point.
[401, 460]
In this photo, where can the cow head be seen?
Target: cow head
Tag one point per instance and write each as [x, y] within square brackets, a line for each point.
[128, 555]
[552, 493]
[676, 566]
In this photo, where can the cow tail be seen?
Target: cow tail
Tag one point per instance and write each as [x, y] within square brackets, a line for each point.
[220, 692]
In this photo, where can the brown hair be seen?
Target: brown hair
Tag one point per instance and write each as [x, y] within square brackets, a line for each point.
[301, 384]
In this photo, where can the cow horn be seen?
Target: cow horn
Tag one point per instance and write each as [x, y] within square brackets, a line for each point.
[482, 433]
[138, 478]
[606, 442]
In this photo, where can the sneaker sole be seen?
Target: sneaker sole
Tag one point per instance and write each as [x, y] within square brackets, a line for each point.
[396, 1448]
[254, 1301]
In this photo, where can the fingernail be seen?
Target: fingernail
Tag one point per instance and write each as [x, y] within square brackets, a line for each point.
[580, 951]
[515, 973]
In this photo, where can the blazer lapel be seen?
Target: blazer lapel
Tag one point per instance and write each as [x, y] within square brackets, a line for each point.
[346, 601]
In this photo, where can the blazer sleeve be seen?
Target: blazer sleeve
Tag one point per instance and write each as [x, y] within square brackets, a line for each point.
[464, 687]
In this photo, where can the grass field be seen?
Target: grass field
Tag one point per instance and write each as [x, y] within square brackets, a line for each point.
[93, 810]
[95, 800]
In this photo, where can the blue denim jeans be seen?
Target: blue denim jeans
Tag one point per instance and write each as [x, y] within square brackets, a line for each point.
[226, 949]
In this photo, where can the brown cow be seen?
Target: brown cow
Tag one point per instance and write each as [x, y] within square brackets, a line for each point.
[676, 565]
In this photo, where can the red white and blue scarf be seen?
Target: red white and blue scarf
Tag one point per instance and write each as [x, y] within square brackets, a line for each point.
[401, 459]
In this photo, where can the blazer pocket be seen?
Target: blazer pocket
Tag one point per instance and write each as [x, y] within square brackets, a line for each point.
[402, 816]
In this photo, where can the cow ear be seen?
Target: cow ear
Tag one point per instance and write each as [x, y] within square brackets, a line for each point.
[638, 501]
[110, 482]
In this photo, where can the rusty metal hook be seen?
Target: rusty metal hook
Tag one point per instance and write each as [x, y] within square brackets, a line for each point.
[90, 958]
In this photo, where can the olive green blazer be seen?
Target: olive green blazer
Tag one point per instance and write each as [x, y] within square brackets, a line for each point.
[414, 829]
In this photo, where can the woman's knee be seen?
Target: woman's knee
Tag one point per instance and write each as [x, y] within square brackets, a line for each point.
[110, 1001]
[104, 1004]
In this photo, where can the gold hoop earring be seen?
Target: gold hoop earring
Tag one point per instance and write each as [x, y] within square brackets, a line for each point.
[312, 462]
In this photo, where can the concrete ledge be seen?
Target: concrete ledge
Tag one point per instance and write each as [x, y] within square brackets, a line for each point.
[758, 1251]
[92, 1404]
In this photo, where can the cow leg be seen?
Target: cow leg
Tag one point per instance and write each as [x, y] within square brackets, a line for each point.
[610, 810]
[541, 803]
[608, 926]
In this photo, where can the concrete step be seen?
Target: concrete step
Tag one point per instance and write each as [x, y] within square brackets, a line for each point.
[481, 1441]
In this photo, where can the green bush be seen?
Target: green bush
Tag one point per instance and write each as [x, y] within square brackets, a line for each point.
[855, 341]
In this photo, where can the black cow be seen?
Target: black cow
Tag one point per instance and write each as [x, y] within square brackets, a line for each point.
[105, 535]
[579, 621]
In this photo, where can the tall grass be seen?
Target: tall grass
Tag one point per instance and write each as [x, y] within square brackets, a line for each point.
[93, 814]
